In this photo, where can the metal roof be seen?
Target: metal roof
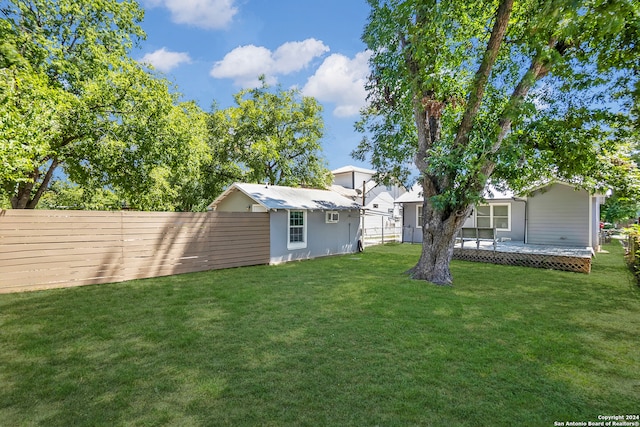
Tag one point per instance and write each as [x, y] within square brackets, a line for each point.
[349, 193]
[278, 197]
[351, 168]
[490, 193]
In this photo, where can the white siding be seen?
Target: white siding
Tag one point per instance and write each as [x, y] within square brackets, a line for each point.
[352, 179]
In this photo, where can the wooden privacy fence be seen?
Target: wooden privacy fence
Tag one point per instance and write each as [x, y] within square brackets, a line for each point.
[50, 249]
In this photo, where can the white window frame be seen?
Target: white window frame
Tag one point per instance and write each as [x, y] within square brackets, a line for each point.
[418, 215]
[491, 215]
[332, 217]
[297, 245]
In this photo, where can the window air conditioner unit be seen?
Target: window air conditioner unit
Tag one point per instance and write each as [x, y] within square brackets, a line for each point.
[332, 217]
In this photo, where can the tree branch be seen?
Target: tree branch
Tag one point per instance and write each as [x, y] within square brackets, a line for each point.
[483, 73]
[537, 70]
[33, 202]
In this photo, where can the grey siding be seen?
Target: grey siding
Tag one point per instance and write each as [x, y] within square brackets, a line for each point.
[322, 239]
[517, 222]
[559, 215]
[413, 234]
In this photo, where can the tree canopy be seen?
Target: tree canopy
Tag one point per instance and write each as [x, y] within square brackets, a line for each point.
[74, 104]
[514, 91]
[72, 98]
[274, 135]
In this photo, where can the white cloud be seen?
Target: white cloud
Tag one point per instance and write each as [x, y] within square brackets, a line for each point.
[245, 63]
[165, 60]
[294, 56]
[342, 81]
[207, 14]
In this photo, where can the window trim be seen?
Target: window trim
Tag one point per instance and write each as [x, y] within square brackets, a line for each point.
[492, 216]
[297, 245]
[418, 222]
[329, 217]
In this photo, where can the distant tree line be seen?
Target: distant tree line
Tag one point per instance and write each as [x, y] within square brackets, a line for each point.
[85, 126]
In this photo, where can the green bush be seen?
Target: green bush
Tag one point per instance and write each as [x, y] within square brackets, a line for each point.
[634, 250]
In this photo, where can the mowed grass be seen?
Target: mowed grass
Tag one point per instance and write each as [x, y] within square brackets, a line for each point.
[338, 341]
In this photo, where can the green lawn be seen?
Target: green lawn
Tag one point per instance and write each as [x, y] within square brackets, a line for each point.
[341, 341]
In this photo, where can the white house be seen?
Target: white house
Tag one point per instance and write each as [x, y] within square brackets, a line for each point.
[556, 214]
[381, 212]
[304, 223]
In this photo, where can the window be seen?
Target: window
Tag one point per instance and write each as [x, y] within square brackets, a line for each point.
[332, 217]
[483, 217]
[494, 216]
[419, 216]
[501, 217]
[297, 230]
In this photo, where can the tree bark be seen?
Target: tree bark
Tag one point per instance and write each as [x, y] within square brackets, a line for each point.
[24, 199]
[438, 239]
[441, 224]
[23, 195]
[484, 71]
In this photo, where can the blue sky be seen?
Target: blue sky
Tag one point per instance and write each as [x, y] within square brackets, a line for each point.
[211, 49]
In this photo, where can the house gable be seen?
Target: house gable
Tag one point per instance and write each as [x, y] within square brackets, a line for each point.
[235, 201]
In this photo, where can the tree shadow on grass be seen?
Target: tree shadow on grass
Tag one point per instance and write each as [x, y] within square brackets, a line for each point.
[322, 343]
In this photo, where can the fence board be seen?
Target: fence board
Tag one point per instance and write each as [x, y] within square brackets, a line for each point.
[50, 249]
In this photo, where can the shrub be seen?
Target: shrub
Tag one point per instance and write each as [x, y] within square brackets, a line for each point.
[633, 256]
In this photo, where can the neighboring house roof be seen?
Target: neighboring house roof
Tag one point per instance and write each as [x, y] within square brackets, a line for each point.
[412, 196]
[369, 185]
[490, 193]
[415, 195]
[351, 168]
[346, 192]
[273, 197]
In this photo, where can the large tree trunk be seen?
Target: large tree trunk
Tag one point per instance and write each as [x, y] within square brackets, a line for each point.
[438, 238]
[440, 226]
[25, 198]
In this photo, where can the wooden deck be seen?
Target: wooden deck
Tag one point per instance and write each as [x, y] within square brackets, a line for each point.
[537, 256]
